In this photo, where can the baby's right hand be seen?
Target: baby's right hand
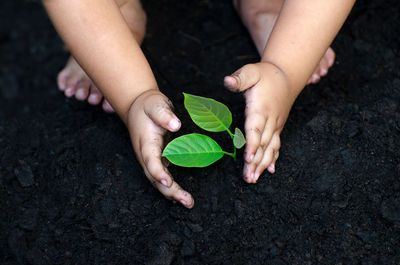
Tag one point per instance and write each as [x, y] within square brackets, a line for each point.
[148, 119]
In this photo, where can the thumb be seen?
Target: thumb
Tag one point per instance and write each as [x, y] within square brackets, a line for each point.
[244, 78]
[158, 108]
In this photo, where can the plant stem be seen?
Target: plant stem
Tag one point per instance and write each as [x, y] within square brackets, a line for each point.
[234, 147]
[233, 155]
[230, 133]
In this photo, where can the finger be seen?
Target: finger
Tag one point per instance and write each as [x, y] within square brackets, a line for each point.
[175, 192]
[268, 155]
[82, 91]
[95, 95]
[157, 173]
[268, 132]
[150, 150]
[254, 126]
[244, 78]
[160, 112]
[271, 167]
[251, 173]
[250, 168]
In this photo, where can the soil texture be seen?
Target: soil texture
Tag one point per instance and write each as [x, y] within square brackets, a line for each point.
[72, 192]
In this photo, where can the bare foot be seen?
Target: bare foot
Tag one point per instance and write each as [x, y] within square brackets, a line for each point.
[259, 18]
[73, 80]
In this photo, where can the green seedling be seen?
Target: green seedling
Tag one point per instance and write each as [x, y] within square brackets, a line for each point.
[199, 150]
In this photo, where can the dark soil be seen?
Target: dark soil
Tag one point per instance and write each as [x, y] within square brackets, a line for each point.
[73, 193]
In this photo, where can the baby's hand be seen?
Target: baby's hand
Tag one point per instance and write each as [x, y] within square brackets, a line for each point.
[148, 119]
[268, 102]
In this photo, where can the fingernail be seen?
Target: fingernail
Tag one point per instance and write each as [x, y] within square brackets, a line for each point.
[315, 77]
[173, 124]
[164, 182]
[256, 176]
[251, 158]
[271, 168]
[324, 71]
[183, 202]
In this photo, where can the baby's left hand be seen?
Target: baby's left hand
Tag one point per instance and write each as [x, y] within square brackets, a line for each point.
[268, 102]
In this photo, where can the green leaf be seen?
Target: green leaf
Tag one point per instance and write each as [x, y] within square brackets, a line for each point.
[193, 150]
[238, 139]
[207, 113]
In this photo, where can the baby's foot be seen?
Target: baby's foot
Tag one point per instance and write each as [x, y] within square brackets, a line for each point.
[72, 80]
[259, 18]
[268, 102]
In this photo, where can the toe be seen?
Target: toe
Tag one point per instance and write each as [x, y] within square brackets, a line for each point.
[95, 95]
[330, 56]
[314, 78]
[81, 94]
[62, 79]
[323, 71]
[323, 67]
[107, 107]
[71, 87]
[82, 90]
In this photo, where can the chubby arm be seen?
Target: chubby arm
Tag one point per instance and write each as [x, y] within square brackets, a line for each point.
[300, 37]
[302, 34]
[102, 43]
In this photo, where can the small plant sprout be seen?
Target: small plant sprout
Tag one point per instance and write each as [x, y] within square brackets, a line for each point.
[198, 150]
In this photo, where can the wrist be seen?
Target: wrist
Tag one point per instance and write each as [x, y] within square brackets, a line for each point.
[140, 97]
[282, 77]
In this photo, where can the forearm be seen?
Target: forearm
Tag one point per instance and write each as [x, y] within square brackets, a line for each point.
[302, 33]
[102, 43]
